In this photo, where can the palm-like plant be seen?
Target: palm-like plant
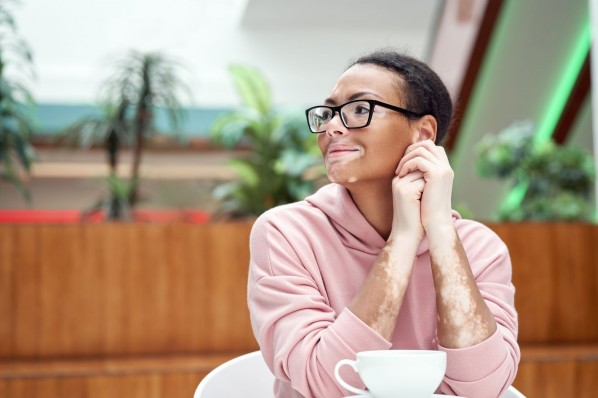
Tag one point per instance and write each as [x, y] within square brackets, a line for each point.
[15, 119]
[144, 81]
[282, 150]
[108, 129]
[139, 84]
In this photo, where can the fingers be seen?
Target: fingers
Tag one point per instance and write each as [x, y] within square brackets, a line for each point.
[411, 185]
[418, 163]
[427, 150]
[428, 144]
[412, 176]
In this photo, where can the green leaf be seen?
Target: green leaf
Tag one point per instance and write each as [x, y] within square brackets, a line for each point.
[282, 150]
[559, 179]
[252, 88]
[24, 151]
[293, 163]
[246, 171]
[229, 129]
[119, 189]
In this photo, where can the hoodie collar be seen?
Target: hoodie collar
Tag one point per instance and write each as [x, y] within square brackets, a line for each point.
[353, 229]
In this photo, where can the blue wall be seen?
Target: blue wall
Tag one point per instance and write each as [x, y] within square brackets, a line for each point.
[50, 119]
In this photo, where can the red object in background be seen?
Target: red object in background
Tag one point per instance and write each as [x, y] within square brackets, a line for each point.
[74, 216]
[191, 216]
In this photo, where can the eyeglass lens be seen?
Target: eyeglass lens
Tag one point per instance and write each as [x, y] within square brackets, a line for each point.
[354, 115]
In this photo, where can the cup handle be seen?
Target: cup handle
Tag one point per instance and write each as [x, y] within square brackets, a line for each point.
[344, 383]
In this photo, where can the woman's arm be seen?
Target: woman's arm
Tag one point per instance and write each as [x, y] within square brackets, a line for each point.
[379, 300]
[477, 324]
[300, 335]
[464, 319]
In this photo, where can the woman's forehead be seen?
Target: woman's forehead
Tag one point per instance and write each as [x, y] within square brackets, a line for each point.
[367, 78]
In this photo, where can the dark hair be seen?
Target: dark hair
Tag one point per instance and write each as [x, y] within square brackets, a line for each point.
[421, 87]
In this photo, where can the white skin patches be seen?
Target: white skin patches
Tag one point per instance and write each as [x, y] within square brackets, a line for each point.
[395, 287]
[461, 312]
[379, 303]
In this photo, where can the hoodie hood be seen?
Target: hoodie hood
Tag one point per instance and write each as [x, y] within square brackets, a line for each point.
[354, 230]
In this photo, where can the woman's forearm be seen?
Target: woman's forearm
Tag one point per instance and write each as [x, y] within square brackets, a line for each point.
[380, 298]
[464, 319]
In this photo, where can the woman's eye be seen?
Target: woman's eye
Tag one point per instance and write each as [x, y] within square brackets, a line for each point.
[360, 110]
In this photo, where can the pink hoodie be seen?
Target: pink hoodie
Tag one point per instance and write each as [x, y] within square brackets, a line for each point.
[309, 259]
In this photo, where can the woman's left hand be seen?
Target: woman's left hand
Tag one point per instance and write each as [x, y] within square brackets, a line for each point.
[432, 161]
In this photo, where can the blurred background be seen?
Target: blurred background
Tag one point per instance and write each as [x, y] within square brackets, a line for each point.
[182, 120]
[507, 65]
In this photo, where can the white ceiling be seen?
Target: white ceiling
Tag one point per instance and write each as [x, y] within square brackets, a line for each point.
[300, 46]
[347, 14]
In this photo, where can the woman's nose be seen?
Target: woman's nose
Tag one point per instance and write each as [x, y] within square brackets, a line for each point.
[335, 126]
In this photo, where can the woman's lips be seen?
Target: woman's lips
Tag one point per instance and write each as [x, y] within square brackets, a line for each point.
[336, 150]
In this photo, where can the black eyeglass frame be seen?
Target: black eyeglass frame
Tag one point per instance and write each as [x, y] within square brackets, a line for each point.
[373, 104]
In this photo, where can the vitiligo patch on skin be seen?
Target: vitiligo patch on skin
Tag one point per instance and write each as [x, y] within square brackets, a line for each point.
[393, 284]
[463, 317]
[334, 171]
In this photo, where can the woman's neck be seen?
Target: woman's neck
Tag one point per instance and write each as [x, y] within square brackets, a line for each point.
[374, 201]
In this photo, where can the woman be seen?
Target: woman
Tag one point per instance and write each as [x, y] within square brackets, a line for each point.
[377, 259]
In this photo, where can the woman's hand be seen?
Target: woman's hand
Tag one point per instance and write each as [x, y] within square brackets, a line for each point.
[431, 161]
[407, 193]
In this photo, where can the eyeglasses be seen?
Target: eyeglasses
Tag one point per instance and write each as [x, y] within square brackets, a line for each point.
[354, 114]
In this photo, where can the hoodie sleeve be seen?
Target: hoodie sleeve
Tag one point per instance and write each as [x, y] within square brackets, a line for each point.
[300, 335]
[488, 368]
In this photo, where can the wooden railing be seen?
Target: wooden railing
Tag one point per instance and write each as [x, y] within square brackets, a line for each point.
[120, 310]
[148, 309]
[555, 272]
[123, 289]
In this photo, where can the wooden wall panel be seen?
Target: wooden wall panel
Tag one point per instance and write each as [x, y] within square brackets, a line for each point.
[124, 289]
[25, 320]
[7, 289]
[160, 377]
[226, 269]
[173, 385]
[554, 378]
[76, 290]
[120, 289]
[555, 272]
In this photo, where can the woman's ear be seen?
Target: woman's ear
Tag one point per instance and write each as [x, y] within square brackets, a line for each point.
[426, 128]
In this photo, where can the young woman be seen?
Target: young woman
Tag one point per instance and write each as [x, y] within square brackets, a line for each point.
[377, 259]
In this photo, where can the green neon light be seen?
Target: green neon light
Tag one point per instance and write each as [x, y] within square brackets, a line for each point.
[565, 86]
[556, 106]
[515, 197]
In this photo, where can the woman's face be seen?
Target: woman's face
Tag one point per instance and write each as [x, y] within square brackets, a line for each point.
[373, 152]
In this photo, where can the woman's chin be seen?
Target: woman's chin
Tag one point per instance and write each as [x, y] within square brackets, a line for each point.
[343, 180]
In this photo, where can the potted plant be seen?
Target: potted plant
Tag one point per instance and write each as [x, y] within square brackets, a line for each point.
[558, 180]
[280, 166]
[16, 152]
[139, 84]
[549, 234]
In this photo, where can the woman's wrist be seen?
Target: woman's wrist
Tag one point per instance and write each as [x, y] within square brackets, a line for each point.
[404, 239]
[439, 220]
[437, 232]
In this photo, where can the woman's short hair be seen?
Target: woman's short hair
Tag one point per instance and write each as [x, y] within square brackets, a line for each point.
[420, 86]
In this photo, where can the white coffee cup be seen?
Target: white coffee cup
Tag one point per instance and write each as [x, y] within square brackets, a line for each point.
[396, 373]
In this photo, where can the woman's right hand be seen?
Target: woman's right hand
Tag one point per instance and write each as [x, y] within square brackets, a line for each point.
[407, 193]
